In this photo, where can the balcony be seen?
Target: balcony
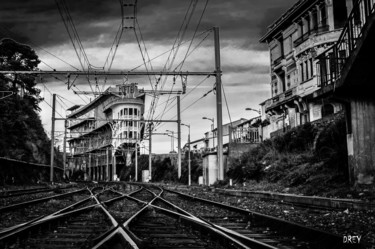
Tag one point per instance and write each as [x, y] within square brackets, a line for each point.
[118, 101]
[281, 98]
[332, 61]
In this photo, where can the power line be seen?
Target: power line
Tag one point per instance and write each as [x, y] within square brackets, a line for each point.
[226, 103]
[200, 83]
[195, 32]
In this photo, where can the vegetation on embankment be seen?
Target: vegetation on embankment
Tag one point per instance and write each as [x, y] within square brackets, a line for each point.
[22, 136]
[310, 160]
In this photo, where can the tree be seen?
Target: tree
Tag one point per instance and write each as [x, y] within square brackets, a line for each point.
[22, 135]
[19, 57]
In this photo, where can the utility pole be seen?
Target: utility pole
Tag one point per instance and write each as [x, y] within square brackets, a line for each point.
[64, 147]
[52, 136]
[136, 161]
[189, 161]
[150, 150]
[179, 137]
[219, 106]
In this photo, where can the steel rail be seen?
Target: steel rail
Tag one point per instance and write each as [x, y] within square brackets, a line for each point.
[308, 233]
[192, 221]
[22, 204]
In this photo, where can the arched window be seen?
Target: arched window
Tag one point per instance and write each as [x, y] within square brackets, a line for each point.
[327, 110]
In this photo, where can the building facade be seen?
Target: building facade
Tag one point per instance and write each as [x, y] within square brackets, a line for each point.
[295, 41]
[104, 133]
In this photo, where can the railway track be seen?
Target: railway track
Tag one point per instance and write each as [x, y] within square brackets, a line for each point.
[20, 213]
[245, 224]
[18, 196]
[151, 217]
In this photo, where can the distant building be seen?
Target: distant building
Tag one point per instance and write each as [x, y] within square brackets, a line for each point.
[247, 132]
[196, 146]
[210, 137]
[295, 40]
[104, 132]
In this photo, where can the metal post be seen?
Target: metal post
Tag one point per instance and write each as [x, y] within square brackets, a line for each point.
[64, 147]
[189, 161]
[219, 106]
[212, 131]
[172, 142]
[150, 150]
[136, 161]
[52, 136]
[179, 137]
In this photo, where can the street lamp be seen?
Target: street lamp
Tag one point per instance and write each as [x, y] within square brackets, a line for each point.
[189, 161]
[212, 128]
[172, 140]
[251, 109]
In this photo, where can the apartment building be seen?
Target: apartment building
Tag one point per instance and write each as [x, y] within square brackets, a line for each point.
[105, 131]
[295, 41]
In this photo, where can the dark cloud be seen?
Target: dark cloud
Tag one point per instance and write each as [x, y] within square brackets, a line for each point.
[40, 22]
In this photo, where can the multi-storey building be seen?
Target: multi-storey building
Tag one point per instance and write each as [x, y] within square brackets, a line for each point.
[104, 133]
[295, 40]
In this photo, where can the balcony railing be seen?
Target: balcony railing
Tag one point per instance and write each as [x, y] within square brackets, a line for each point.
[332, 61]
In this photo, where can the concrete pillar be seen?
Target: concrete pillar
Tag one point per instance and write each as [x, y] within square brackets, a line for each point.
[114, 167]
[361, 143]
[89, 165]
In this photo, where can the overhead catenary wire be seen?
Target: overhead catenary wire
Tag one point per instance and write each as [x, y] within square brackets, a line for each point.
[192, 40]
[187, 94]
[174, 51]
[196, 47]
[180, 65]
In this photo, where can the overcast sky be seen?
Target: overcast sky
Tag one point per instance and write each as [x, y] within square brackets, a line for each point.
[245, 62]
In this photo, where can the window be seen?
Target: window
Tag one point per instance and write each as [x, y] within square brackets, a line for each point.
[125, 111]
[288, 80]
[323, 14]
[130, 134]
[311, 67]
[302, 74]
[130, 111]
[135, 111]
